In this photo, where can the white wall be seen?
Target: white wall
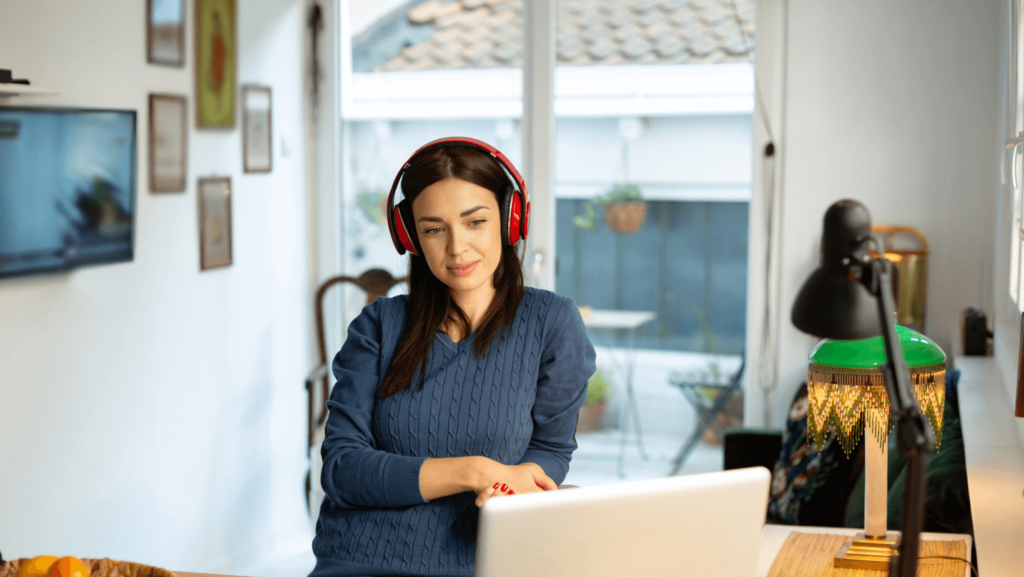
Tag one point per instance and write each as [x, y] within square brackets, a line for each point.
[152, 412]
[894, 104]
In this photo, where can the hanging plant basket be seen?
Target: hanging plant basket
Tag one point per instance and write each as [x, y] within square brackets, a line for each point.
[625, 216]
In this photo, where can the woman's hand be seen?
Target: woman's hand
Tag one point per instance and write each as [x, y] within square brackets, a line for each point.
[512, 479]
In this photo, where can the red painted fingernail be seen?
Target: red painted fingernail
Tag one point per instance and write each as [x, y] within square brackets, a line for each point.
[511, 492]
[504, 487]
[495, 485]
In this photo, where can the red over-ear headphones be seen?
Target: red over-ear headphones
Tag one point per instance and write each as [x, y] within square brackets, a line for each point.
[515, 220]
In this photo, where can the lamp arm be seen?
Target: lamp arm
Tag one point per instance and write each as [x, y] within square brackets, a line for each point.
[914, 440]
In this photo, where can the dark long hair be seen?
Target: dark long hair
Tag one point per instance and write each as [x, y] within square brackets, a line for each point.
[430, 303]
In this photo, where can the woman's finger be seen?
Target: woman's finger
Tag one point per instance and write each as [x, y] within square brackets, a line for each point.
[486, 494]
[545, 482]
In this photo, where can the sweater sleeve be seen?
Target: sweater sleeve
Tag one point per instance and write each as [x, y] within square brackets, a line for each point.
[567, 363]
[355, 472]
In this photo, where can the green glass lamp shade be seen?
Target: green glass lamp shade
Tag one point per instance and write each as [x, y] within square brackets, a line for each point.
[918, 351]
[846, 388]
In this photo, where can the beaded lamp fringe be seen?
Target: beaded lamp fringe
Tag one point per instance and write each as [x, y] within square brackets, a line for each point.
[839, 400]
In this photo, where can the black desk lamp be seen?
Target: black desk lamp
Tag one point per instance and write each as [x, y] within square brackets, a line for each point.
[850, 297]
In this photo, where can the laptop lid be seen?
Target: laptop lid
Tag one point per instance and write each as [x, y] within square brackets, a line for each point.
[707, 524]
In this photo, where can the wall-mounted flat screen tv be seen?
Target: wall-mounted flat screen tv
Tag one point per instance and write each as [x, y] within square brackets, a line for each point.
[67, 188]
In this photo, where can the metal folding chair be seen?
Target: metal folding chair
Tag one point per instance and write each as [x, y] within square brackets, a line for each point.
[709, 399]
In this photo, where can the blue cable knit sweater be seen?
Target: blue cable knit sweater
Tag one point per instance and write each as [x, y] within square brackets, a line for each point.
[517, 404]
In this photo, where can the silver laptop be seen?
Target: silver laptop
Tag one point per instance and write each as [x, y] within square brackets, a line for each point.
[699, 525]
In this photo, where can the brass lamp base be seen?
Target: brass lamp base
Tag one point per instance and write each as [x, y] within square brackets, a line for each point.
[872, 553]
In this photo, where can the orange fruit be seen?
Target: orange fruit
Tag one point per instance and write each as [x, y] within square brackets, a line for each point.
[69, 567]
[37, 567]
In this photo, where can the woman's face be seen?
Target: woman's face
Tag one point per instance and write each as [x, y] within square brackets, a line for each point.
[459, 230]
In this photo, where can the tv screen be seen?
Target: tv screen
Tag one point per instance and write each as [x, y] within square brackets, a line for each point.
[67, 188]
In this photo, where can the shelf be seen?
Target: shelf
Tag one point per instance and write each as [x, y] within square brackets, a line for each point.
[10, 89]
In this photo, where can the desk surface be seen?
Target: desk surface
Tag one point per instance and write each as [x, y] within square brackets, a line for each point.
[772, 539]
[774, 536]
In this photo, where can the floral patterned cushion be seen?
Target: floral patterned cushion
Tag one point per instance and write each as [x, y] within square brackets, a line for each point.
[811, 487]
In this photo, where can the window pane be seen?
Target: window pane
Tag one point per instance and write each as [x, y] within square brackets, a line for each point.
[420, 71]
[654, 108]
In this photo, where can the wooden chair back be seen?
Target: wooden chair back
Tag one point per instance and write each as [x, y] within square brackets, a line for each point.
[375, 282]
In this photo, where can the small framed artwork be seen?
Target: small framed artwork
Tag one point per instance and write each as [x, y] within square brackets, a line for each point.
[257, 144]
[214, 222]
[216, 63]
[168, 143]
[165, 32]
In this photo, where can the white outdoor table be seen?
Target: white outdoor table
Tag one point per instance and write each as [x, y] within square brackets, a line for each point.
[624, 321]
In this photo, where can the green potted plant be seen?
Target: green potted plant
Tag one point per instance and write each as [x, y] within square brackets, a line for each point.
[598, 392]
[624, 210]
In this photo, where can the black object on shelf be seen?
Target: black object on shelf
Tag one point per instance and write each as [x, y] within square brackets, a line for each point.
[7, 78]
[850, 296]
[974, 332]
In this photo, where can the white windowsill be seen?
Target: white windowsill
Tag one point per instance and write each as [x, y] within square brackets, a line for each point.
[995, 462]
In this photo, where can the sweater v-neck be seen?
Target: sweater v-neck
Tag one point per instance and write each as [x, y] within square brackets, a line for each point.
[458, 346]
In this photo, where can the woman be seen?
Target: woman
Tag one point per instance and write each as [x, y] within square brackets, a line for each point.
[465, 390]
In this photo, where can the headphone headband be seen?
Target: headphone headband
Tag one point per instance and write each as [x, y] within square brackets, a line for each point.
[402, 238]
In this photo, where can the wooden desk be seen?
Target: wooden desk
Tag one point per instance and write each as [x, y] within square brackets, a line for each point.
[773, 537]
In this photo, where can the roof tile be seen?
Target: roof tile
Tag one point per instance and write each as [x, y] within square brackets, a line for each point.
[627, 32]
[670, 47]
[636, 47]
[508, 51]
[619, 16]
[682, 15]
[445, 36]
[651, 17]
[478, 52]
[715, 13]
[602, 49]
[651, 57]
[506, 33]
[703, 45]
[643, 6]
[613, 59]
[431, 10]
[474, 17]
[659, 30]
[670, 5]
[479, 32]
[503, 18]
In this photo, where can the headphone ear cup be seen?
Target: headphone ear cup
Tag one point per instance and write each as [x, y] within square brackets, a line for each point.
[505, 210]
[406, 224]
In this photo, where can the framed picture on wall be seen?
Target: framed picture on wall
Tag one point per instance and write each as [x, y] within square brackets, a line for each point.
[216, 63]
[168, 143]
[165, 32]
[257, 144]
[214, 196]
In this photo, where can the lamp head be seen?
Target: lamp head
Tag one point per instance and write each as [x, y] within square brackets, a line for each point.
[834, 303]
